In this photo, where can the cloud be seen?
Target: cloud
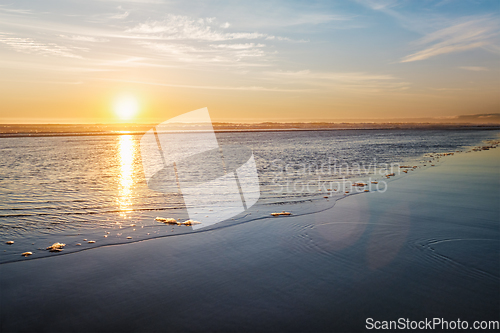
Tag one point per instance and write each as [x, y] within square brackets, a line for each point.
[378, 4]
[178, 27]
[214, 53]
[80, 38]
[4, 8]
[314, 18]
[120, 16]
[459, 37]
[211, 87]
[474, 68]
[351, 81]
[237, 46]
[29, 45]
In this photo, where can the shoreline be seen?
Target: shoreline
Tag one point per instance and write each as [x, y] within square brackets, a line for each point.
[337, 127]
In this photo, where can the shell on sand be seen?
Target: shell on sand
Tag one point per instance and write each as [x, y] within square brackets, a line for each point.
[129, 237]
[56, 247]
[91, 242]
[190, 222]
[26, 254]
[166, 221]
[9, 242]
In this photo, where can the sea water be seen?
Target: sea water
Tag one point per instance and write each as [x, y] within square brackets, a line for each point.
[79, 189]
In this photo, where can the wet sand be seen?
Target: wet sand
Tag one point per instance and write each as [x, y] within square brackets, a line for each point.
[428, 247]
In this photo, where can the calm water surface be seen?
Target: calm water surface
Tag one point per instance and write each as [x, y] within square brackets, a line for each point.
[72, 188]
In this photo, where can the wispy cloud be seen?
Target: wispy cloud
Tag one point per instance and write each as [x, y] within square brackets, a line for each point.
[245, 46]
[315, 18]
[351, 81]
[120, 15]
[29, 45]
[211, 87]
[474, 68]
[178, 27]
[379, 4]
[213, 54]
[79, 38]
[6, 9]
[464, 36]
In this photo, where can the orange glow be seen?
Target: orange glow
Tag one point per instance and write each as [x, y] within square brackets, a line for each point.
[127, 148]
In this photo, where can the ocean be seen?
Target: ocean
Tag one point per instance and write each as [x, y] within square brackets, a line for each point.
[75, 189]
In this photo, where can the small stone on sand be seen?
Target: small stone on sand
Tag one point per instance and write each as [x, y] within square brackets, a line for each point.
[9, 242]
[282, 213]
[26, 254]
[56, 247]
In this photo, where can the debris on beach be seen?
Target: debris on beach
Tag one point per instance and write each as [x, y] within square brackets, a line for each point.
[282, 213]
[56, 247]
[367, 190]
[26, 253]
[78, 244]
[91, 242]
[359, 184]
[190, 222]
[166, 221]
[9, 242]
[129, 237]
[374, 182]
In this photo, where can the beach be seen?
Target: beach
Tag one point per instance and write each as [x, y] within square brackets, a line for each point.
[249, 166]
[428, 247]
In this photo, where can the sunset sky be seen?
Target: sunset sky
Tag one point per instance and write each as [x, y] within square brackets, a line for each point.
[106, 61]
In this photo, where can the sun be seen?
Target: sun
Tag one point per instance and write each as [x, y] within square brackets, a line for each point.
[126, 107]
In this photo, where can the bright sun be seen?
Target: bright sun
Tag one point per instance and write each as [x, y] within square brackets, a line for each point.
[126, 107]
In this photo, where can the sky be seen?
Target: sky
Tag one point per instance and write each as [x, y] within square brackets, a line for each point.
[145, 61]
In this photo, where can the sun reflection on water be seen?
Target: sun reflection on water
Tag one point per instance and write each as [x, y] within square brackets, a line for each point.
[127, 148]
